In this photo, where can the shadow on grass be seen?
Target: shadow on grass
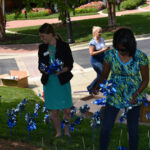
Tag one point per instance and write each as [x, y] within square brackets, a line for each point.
[82, 30]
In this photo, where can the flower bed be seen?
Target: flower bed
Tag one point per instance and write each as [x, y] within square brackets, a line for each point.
[90, 7]
[34, 10]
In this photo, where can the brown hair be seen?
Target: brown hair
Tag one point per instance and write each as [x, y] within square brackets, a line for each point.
[47, 28]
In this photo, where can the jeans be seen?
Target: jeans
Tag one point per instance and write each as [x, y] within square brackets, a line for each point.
[110, 114]
[97, 66]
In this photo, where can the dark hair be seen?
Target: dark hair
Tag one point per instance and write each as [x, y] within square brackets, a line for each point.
[125, 38]
[47, 28]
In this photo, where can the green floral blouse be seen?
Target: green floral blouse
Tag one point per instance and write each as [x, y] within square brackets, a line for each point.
[126, 76]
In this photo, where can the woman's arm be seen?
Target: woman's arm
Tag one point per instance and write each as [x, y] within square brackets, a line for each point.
[64, 69]
[103, 76]
[92, 51]
[41, 59]
[145, 79]
[68, 59]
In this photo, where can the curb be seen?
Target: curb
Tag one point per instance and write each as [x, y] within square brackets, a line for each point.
[80, 46]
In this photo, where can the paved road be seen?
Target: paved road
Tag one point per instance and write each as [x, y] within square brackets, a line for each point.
[144, 45]
[83, 59]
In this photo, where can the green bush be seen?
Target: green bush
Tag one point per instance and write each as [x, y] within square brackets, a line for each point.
[13, 16]
[85, 10]
[38, 14]
[130, 4]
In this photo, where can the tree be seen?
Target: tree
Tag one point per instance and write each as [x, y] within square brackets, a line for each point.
[111, 13]
[2, 19]
[64, 8]
[61, 6]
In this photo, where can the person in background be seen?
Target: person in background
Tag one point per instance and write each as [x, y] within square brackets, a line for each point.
[25, 13]
[130, 73]
[118, 4]
[96, 50]
[56, 86]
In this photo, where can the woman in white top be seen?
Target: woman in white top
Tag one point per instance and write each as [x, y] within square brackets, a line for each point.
[96, 50]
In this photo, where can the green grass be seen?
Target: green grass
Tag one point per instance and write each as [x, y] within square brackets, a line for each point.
[10, 17]
[144, 5]
[79, 138]
[82, 30]
[116, 9]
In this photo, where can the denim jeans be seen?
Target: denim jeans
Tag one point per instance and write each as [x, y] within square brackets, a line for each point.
[97, 66]
[110, 114]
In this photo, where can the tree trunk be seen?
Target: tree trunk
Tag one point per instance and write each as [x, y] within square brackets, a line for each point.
[111, 13]
[2, 19]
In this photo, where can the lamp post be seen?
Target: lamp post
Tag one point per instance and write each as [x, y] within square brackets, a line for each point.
[69, 26]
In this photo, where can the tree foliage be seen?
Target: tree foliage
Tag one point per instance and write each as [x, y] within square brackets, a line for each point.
[66, 5]
[38, 3]
[62, 6]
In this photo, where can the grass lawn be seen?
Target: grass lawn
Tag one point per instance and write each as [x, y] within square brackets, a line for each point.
[82, 30]
[116, 9]
[10, 17]
[144, 5]
[81, 139]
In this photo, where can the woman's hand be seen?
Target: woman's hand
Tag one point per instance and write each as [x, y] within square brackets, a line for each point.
[43, 71]
[95, 89]
[65, 69]
[134, 98]
[108, 47]
[145, 80]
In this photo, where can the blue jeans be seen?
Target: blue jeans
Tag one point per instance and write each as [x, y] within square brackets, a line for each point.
[97, 66]
[110, 114]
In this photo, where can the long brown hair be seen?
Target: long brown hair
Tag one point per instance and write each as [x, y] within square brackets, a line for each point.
[47, 28]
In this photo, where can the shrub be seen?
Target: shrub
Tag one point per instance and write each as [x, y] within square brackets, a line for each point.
[13, 16]
[90, 7]
[130, 4]
[38, 14]
[41, 10]
[85, 10]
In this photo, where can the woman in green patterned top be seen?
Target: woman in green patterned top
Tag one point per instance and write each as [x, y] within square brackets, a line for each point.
[130, 72]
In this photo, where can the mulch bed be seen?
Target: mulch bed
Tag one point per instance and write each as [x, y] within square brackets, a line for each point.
[113, 29]
[14, 145]
[11, 38]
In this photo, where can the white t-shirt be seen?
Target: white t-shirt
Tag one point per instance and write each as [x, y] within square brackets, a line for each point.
[98, 45]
